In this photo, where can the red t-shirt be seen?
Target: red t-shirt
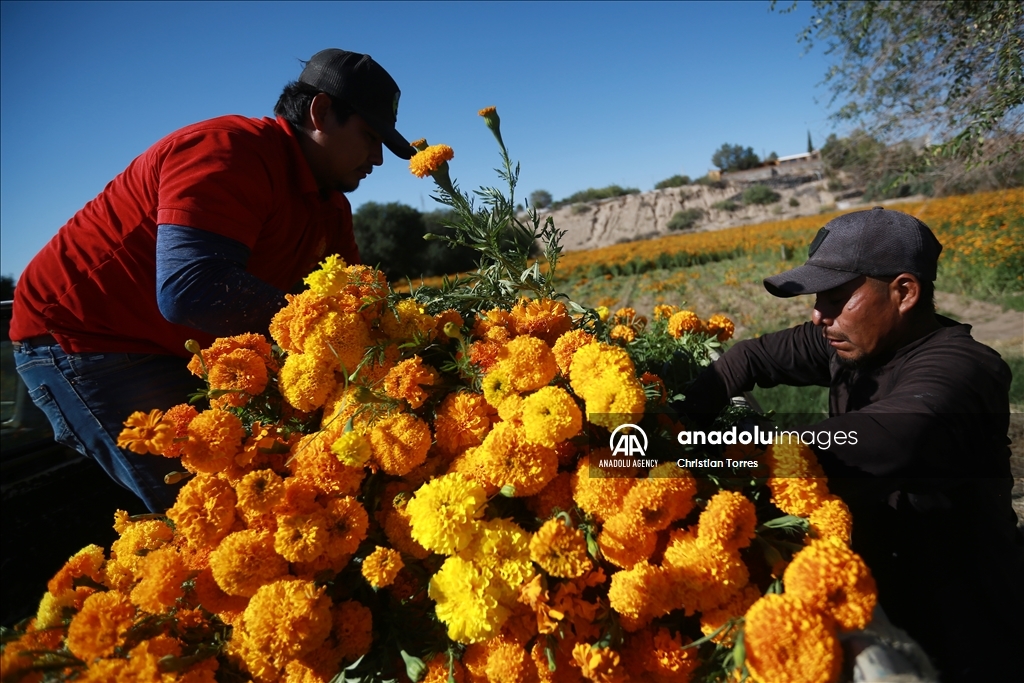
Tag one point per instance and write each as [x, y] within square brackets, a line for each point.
[93, 286]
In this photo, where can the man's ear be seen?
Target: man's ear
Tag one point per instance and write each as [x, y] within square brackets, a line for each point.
[319, 111]
[905, 289]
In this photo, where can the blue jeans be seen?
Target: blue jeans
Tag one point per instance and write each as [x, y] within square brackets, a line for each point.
[88, 396]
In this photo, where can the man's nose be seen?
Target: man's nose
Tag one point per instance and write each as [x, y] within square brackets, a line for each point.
[377, 154]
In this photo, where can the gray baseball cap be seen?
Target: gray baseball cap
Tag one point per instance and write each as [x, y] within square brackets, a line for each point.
[877, 242]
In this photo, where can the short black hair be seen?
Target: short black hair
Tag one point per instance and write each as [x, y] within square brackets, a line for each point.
[293, 104]
[926, 299]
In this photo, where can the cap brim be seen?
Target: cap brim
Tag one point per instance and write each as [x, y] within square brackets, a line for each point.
[393, 140]
[807, 280]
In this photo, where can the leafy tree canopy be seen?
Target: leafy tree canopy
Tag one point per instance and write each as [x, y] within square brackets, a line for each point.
[540, 199]
[735, 158]
[952, 69]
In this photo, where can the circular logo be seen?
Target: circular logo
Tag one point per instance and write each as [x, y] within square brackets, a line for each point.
[616, 444]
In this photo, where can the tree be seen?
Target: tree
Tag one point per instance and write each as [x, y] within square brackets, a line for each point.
[735, 158]
[950, 69]
[390, 236]
[810, 145]
[540, 199]
[6, 287]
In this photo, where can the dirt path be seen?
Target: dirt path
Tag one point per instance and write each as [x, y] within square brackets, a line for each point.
[1001, 329]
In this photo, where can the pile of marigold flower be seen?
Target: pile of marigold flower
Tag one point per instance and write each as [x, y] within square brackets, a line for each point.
[396, 489]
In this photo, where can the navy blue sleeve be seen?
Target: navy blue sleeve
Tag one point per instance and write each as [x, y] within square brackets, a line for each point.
[201, 282]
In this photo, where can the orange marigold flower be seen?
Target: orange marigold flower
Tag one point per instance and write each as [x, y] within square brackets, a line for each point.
[178, 417]
[398, 529]
[400, 443]
[405, 381]
[96, 630]
[703, 576]
[553, 498]
[463, 419]
[338, 341]
[835, 581]
[313, 461]
[626, 541]
[258, 492]
[353, 629]
[597, 491]
[598, 664]
[210, 597]
[301, 536]
[528, 363]
[382, 566]
[550, 416]
[508, 459]
[713, 619]
[347, 523]
[450, 319]
[659, 656]
[788, 641]
[663, 498]
[214, 438]
[429, 160]
[87, 562]
[640, 594]
[684, 321]
[546, 319]
[291, 324]
[623, 333]
[306, 381]
[797, 482]
[163, 571]
[287, 619]
[137, 538]
[484, 353]
[145, 433]
[665, 311]
[244, 561]
[614, 400]
[831, 519]
[567, 345]
[721, 327]
[241, 373]
[560, 550]
[204, 511]
[729, 521]
[225, 345]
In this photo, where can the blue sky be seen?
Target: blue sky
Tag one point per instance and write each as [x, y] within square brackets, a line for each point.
[589, 93]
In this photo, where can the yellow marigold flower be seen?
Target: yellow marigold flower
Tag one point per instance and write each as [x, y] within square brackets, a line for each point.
[488, 111]
[96, 630]
[398, 529]
[834, 580]
[306, 381]
[496, 386]
[291, 324]
[550, 416]
[729, 521]
[665, 311]
[713, 619]
[462, 421]
[471, 601]
[214, 438]
[831, 519]
[87, 562]
[567, 345]
[145, 433]
[528, 363]
[503, 547]
[405, 381]
[597, 362]
[338, 340]
[286, 619]
[545, 319]
[662, 500]
[640, 594]
[603, 313]
[330, 278]
[258, 492]
[419, 144]
[721, 327]
[347, 523]
[703, 576]
[429, 160]
[449, 319]
[382, 566]
[352, 449]
[615, 400]
[53, 608]
[444, 511]
[598, 664]
[507, 459]
[241, 373]
[163, 571]
[596, 491]
[560, 550]
[626, 541]
[204, 511]
[788, 641]
[244, 561]
[622, 333]
[797, 482]
[684, 321]
[400, 443]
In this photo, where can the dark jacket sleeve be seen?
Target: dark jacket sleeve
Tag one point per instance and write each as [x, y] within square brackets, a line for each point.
[798, 356]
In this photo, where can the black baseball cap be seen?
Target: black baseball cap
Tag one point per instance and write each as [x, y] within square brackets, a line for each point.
[877, 242]
[365, 85]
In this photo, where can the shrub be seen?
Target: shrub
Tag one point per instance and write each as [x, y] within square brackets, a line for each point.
[685, 219]
[592, 194]
[760, 194]
[735, 158]
[674, 181]
[579, 208]
[540, 199]
[708, 182]
[793, 201]
[725, 205]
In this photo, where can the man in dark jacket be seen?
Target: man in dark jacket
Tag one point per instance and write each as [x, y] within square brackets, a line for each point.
[928, 479]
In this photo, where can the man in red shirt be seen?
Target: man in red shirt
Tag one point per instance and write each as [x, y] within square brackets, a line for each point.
[199, 237]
